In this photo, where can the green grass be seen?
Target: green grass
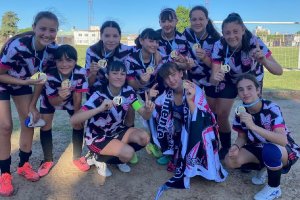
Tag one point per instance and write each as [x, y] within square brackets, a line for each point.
[286, 56]
[289, 80]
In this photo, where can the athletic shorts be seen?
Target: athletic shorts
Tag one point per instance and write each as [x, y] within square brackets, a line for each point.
[256, 150]
[224, 90]
[100, 142]
[24, 90]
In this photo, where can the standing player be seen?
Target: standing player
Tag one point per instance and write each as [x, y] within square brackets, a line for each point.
[237, 52]
[21, 57]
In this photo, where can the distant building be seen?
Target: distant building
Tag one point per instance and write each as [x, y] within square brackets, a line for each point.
[87, 37]
[259, 30]
[65, 37]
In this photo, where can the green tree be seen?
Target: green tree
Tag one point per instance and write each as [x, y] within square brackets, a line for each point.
[183, 18]
[9, 24]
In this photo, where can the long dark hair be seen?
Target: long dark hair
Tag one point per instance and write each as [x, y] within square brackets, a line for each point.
[147, 33]
[236, 18]
[97, 47]
[211, 30]
[37, 18]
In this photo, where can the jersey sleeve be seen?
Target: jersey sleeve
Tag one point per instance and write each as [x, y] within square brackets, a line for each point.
[93, 102]
[217, 55]
[277, 120]
[8, 57]
[81, 81]
[51, 87]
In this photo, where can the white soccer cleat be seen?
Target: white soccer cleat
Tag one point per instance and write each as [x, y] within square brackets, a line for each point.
[268, 193]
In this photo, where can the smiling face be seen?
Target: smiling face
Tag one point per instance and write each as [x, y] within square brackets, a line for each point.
[111, 38]
[233, 34]
[168, 26]
[45, 31]
[198, 21]
[149, 45]
[174, 79]
[65, 65]
[247, 91]
[116, 79]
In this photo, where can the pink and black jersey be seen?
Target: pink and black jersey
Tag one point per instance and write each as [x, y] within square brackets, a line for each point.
[94, 54]
[269, 118]
[178, 44]
[22, 61]
[200, 73]
[79, 84]
[108, 123]
[136, 67]
[240, 62]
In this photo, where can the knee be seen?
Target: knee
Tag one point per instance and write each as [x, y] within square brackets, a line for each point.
[271, 155]
[145, 139]
[126, 153]
[6, 129]
[231, 163]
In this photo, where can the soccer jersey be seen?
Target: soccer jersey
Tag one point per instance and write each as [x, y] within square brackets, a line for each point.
[200, 73]
[136, 67]
[94, 54]
[22, 61]
[269, 118]
[240, 62]
[78, 84]
[110, 122]
[178, 44]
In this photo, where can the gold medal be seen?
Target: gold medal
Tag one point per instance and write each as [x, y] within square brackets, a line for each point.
[225, 68]
[196, 46]
[102, 63]
[66, 84]
[39, 76]
[150, 69]
[118, 100]
[174, 54]
[239, 110]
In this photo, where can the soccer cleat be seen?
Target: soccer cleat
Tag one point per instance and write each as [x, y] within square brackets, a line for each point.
[81, 164]
[154, 150]
[6, 187]
[163, 160]
[260, 177]
[29, 122]
[102, 168]
[268, 193]
[124, 168]
[27, 172]
[134, 159]
[45, 168]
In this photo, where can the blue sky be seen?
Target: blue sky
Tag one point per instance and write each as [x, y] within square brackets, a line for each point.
[135, 15]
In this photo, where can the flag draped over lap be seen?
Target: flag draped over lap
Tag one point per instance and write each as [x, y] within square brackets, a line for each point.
[196, 151]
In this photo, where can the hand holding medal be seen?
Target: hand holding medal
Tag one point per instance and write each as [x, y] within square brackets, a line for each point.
[240, 109]
[102, 63]
[39, 76]
[225, 68]
[119, 100]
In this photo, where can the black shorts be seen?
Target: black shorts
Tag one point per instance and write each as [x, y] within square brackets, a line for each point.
[256, 150]
[101, 142]
[224, 90]
[24, 90]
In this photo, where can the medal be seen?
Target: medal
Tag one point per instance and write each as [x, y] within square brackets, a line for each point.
[118, 100]
[39, 76]
[196, 46]
[225, 68]
[102, 63]
[174, 54]
[185, 84]
[66, 84]
[150, 69]
[239, 110]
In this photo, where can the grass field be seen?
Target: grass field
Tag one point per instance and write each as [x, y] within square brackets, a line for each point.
[286, 56]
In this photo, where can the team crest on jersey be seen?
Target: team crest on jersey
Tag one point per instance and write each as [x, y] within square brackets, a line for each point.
[266, 121]
[246, 59]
